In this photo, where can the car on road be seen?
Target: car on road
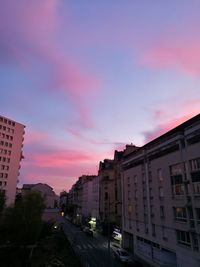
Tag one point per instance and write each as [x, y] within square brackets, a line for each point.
[88, 231]
[124, 257]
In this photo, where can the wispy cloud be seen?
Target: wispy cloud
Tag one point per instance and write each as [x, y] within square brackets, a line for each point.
[165, 121]
[181, 55]
[28, 40]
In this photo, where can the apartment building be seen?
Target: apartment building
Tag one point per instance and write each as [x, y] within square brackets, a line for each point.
[95, 197]
[46, 191]
[11, 144]
[87, 195]
[106, 191]
[110, 187]
[161, 198]
[84, 198]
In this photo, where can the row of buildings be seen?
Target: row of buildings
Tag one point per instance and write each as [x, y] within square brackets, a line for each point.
[151, 193]
[11, 154]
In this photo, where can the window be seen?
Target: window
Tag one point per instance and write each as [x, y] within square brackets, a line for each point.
[136, 194]
[196, 188]
[129, 195]
[195, 164]
[159, 174]
[178, 189]
[137, 226]
[180, 214]
[161, 192]
[144, 193]
[198, 215]
[183, 237]
[129, 208]
[153, 229]
[177, 169]
[151, 193]
[106, 196]
[151, 210]
[164, 233]
[135, 179]
[136, 210]
[162, 211]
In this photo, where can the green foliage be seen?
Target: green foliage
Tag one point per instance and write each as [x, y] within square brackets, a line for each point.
[2, 202]
[22, 223]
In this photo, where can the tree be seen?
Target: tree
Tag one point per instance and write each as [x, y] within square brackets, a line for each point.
[23, 222]
[2, 202]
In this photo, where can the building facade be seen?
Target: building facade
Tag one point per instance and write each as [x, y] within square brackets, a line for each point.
[46, 191]
[11, 144]
[161, 198]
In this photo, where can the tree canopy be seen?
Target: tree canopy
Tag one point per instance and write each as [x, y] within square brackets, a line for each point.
[22, 222]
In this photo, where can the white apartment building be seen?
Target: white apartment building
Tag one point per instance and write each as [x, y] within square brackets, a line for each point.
[11, 143]
[161, 198]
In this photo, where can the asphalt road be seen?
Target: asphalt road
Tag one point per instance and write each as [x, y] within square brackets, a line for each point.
[93, 251]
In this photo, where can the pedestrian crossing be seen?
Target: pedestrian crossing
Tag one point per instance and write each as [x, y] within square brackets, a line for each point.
[90, 246]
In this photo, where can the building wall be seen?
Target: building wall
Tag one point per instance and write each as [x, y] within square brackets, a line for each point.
[95, 197]
[11, 143]
[161, 198]
[87, 196]
[106, 191]
[50, 198]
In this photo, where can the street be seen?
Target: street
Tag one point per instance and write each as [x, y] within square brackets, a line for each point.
[93, 251]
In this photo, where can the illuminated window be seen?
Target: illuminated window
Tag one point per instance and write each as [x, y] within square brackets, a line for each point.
[180, 214]
[159, 174]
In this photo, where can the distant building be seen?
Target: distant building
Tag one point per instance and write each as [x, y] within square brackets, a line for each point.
[51, 199]
[106, 191]
[11, 144]
[84, 196]
[161, 198]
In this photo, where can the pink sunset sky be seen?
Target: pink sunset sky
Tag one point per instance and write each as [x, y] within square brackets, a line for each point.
[89, 77]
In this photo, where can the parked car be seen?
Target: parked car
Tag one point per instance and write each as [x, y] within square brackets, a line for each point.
[122, 255]
[126, 258]
[88, 231]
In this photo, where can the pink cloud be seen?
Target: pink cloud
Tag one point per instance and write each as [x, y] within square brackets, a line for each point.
[59, 169]
[35, 137]
[163, 128]
[162, 118]
[180, 54]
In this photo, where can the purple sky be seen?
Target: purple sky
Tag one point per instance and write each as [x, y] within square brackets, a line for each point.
[87, 77]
